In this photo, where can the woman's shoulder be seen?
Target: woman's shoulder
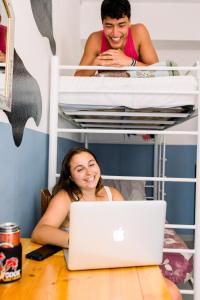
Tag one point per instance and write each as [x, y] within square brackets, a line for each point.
[116, 195]
[61, 196]
[57, 209]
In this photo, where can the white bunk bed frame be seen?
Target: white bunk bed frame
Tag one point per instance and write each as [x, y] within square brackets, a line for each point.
[159, 170]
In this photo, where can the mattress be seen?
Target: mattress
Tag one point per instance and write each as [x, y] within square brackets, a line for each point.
[133, 93]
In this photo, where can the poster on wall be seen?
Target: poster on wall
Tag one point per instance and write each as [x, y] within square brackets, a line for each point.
[6, 54]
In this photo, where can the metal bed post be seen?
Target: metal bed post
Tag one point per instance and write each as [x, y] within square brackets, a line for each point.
[197, 204]
[86, 140]
[160, 168]
[53, 124]
[155, 184]
[163, 168]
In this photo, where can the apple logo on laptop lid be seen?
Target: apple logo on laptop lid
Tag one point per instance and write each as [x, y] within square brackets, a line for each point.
[118, 235]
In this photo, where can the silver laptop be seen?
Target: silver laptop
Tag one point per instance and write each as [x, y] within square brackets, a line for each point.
[112, 234]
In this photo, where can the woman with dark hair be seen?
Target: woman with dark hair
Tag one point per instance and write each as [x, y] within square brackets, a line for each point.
[65, 180]
[80, 180]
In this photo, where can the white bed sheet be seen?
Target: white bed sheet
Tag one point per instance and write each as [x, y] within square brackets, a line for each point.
[91, 91]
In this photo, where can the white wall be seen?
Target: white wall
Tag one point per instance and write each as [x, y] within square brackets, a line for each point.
[34, 50]
[66, 25]
[184, 53]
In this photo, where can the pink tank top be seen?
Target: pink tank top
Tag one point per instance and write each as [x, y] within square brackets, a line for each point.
[129, 48]
[2, 38]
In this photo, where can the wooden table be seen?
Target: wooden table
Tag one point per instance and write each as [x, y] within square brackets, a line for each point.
[50, 280]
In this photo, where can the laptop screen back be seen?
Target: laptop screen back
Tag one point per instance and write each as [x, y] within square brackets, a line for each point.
[112, 234]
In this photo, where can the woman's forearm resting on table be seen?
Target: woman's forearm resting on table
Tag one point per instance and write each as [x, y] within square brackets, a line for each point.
[46, 234]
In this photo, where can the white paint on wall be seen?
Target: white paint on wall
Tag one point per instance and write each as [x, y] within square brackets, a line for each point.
[35, 52]
[3, 117]
[66, 26]
[183, 53]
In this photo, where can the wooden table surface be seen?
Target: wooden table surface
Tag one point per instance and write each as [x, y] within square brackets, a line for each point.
[50, 280]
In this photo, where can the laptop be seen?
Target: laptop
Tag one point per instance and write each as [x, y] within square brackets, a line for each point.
[111, 234]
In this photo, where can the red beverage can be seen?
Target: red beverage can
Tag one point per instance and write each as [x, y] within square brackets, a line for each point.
[10, 253]
[9, 235]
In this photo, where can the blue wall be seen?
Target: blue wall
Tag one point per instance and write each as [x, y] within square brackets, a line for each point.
[181, 162]
[23, 172]
[125, 160]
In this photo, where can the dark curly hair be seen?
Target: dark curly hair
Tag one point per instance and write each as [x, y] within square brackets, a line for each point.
[115, 9]
[65, 182]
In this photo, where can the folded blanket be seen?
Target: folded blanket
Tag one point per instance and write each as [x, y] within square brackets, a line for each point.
[176, 266]
[142, 74]
[157, 73]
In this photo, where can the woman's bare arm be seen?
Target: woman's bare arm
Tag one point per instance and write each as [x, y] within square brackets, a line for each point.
[48, 231]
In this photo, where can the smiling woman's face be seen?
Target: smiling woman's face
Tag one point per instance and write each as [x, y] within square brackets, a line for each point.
[85, 171]
[116, 31]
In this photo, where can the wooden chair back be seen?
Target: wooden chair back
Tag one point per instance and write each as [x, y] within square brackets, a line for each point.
[45, 197]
